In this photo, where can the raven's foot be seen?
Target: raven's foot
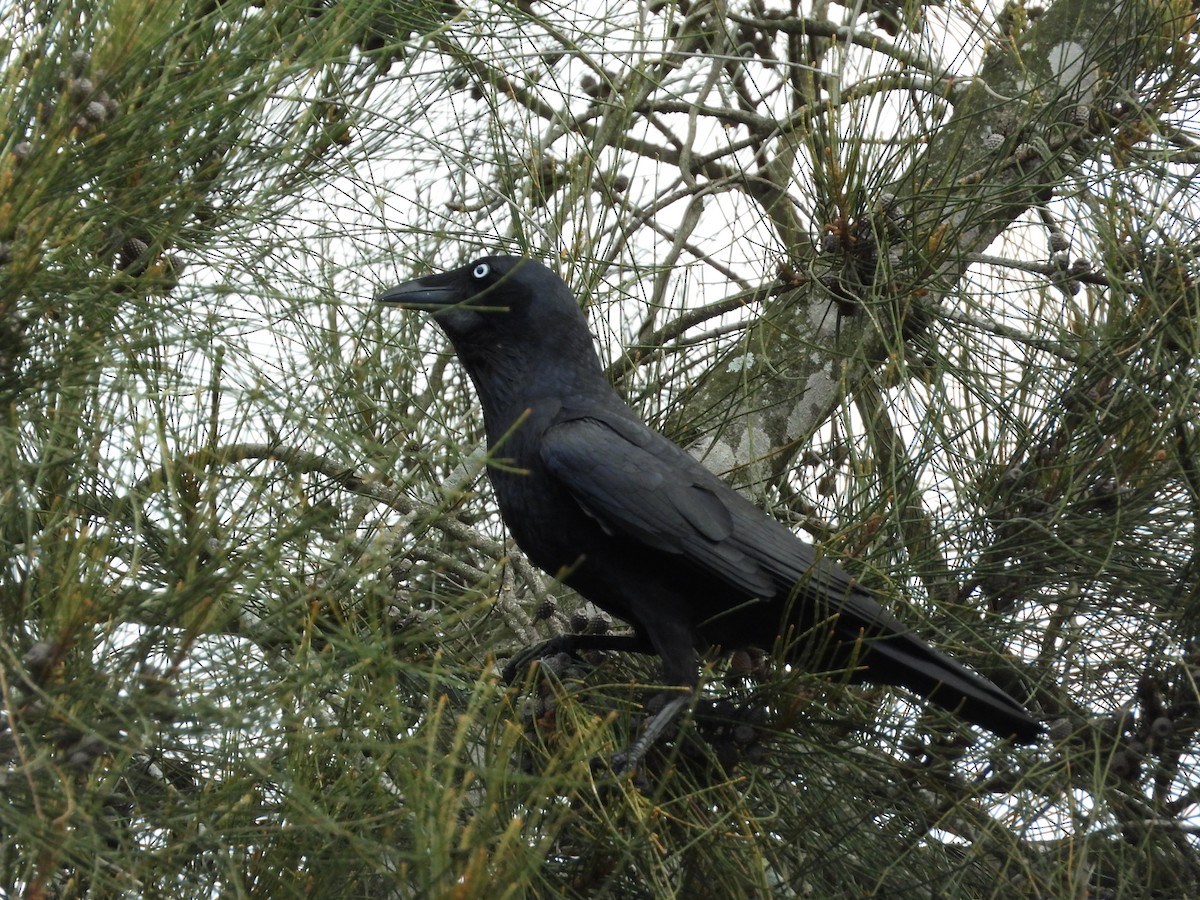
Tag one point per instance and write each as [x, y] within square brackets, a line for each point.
[572, 645]
[563, 644]
[722, 730]
[627, 761]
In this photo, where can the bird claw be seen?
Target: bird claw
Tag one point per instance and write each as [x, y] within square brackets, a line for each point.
[572, 645]
[730, 732]
[609, 772]
[521, 661]
[626, 761]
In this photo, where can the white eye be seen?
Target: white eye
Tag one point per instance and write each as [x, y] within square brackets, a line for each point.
[481, 270]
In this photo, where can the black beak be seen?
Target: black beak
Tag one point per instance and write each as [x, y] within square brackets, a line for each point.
[421, 293]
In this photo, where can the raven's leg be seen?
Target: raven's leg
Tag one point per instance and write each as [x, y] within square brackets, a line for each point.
[676, 645]
[627, 760]
[573, 643]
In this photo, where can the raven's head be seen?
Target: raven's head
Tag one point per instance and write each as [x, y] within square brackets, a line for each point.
[510, 319]
[490, 296]
[463, 299]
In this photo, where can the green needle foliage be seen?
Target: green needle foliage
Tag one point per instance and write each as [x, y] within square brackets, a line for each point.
[921, 278]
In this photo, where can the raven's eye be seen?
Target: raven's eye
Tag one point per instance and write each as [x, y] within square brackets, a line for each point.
[481, 270]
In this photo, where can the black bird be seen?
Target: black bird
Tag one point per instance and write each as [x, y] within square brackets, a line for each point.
[637, 526]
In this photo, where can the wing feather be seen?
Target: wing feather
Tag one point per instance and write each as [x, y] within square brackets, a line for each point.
[635, 482]
[631, 491]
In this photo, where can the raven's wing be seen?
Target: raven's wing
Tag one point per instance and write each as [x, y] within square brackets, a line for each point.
[635, 483]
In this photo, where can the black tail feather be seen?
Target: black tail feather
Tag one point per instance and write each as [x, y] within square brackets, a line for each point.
[907, 661]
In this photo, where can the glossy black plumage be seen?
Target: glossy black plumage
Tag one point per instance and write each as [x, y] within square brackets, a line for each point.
[637, 526]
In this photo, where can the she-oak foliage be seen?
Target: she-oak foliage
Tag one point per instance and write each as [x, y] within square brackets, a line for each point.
[921, 279]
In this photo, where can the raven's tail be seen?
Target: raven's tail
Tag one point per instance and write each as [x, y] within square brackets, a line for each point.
[905, 660]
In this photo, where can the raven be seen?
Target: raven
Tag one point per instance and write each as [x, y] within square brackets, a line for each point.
[637, 526]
